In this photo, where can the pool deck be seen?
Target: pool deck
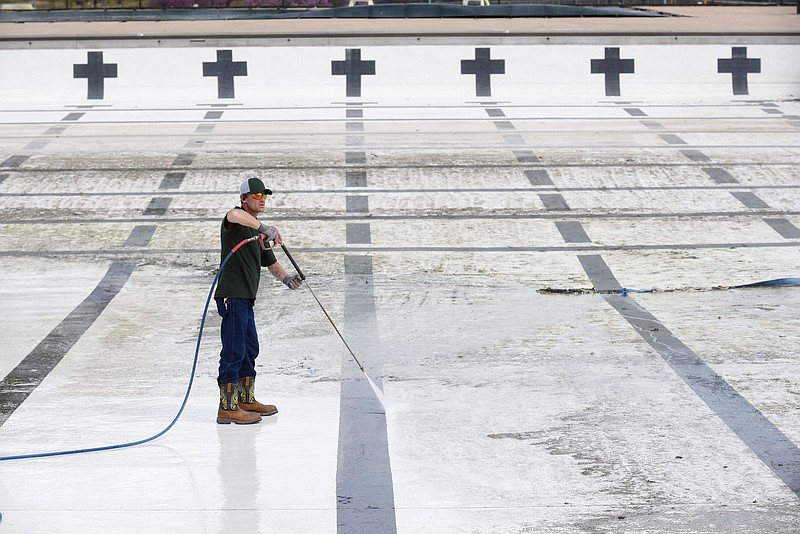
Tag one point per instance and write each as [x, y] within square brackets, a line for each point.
[699, 20]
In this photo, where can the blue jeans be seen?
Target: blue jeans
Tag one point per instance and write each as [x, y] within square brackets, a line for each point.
[237, 359]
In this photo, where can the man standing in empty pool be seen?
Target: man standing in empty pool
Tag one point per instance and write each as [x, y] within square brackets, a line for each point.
[235, 297]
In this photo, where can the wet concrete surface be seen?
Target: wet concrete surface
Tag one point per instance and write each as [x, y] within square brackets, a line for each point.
[477, 277]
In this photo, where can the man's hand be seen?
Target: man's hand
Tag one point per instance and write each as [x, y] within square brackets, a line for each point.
[292, 282]
[270, 232]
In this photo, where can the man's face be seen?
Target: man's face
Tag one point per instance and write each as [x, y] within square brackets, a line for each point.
[255, 204]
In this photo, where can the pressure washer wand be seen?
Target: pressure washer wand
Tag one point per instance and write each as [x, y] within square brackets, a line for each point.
[303, 277]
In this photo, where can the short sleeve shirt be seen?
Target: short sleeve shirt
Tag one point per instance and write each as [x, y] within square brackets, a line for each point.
[240, 276]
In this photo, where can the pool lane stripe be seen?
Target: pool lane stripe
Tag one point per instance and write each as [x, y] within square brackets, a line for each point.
[538, 177]
[784, 227]
[357, 204]
[355, 140]
[653, 125]
[553, 201]
[695, 155]
[37, 144]
[526, 156]
[56, 130]
[514, 139]
[356, 178]
[34, 368]
[140, 236]
[672, 139]
[719, 175]
[635, 112]
[750, 200]
[184, 159]
[603, 280]
[172, 180]
[364, 486]
[355, 157]
[572, 232]
[157, 206]
[358, 234]
[760, 435]
[14, 161]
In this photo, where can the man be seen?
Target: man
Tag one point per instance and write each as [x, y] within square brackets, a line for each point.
[235, 297]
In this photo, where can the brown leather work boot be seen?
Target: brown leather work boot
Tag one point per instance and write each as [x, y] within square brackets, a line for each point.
[247, 398]
[229, 410]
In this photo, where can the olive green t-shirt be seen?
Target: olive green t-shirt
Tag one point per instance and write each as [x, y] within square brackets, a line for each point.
[240, 276]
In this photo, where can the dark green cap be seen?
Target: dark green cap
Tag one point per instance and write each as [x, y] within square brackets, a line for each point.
[253, 185]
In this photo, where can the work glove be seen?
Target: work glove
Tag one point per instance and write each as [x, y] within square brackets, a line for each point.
[292, 282]
[270, 232]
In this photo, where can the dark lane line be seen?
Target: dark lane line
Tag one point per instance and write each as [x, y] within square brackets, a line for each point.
[34, 368]
[761, 436]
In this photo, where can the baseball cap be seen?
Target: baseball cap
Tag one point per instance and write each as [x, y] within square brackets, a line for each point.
[253, 185]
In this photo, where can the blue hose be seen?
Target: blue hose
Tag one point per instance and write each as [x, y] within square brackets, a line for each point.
[185, 398]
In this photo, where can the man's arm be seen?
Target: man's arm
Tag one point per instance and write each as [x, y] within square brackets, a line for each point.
[277, 270]
[290, 281]
[239, 216]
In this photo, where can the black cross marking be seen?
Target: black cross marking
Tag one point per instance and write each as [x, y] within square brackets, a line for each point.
[612, 66]
[483, 67]
[225, 69]
[353, 69]
[739, 66]
[96, 72]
